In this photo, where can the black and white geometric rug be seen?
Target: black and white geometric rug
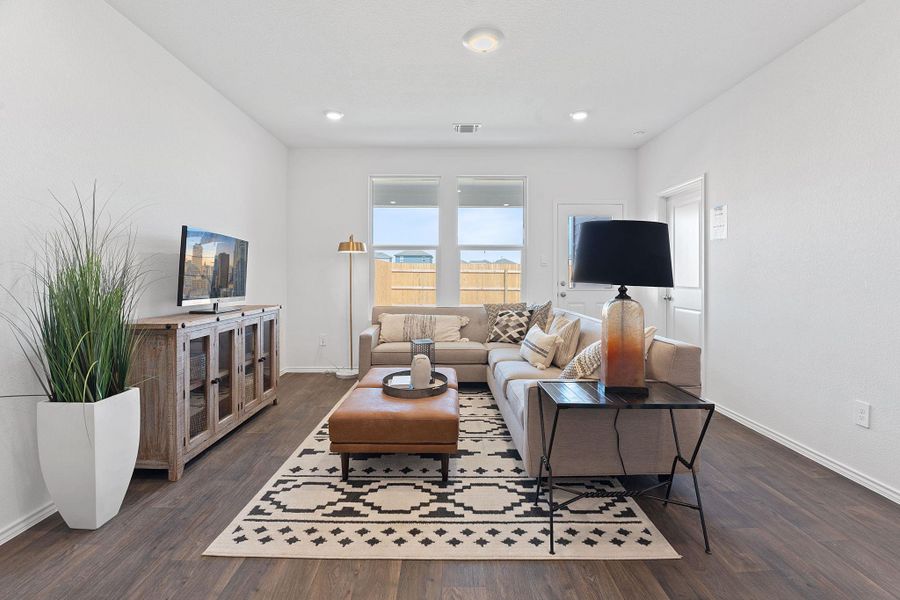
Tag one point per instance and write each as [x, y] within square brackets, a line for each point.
[396, 507]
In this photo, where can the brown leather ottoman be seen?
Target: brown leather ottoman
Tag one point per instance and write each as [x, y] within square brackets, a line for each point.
[376, 375]
[368, 421]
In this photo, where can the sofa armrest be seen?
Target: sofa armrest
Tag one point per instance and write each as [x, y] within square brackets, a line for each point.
[368, 339]
[675, 362]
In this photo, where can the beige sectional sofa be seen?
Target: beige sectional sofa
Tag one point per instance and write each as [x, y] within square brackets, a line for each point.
[586, 440]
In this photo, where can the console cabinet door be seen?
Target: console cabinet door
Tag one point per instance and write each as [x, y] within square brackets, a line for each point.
[268, 358]
[198, 387]
[250, 364]
[226, 377]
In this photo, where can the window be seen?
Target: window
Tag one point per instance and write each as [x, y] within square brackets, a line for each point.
[491, 234]
[405, 239]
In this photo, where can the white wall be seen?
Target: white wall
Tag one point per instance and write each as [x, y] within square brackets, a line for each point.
[84, 94]
[328, 199]
[803, 295]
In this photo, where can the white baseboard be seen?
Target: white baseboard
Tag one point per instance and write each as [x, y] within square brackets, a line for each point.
[308, 370]
[850, 473]
[26, 522]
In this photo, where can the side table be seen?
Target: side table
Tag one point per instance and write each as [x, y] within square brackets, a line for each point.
[573, 395]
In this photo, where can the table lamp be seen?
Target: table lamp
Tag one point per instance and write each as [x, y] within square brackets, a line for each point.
[350, 247]
[623, 253]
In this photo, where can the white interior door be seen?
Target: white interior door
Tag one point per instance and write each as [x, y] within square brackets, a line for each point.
[585, 298]
[684, 302]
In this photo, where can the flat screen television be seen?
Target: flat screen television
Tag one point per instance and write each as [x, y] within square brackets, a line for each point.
[212, 271]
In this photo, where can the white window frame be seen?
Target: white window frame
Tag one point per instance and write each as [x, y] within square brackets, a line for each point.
[373, 248]
[460, 248]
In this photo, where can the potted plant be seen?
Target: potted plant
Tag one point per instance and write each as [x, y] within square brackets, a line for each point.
[76, 336]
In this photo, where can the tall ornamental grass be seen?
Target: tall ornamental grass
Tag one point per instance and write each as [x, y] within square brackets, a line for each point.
[75, 333]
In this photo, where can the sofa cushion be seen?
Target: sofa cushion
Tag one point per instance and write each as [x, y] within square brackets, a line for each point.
[446, 353]
[510, 326]
[510, 370]
[517, 397]
[501, 354]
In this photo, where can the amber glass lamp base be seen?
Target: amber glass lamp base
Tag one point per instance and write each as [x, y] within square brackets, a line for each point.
[622, 346]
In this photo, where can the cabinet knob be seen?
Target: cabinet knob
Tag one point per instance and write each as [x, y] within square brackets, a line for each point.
[215, 381]
[263, 359]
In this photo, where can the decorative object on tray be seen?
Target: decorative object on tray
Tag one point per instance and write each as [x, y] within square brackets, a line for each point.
[510, 326]
[623, 253]
[399, 385]
[420, 372]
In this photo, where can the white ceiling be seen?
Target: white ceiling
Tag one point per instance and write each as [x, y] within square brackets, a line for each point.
[398, 69]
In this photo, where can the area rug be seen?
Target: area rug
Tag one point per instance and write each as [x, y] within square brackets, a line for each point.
[396, 507]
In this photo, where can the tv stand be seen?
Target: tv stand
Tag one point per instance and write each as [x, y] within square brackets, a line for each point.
[201, 376]
[217, 308]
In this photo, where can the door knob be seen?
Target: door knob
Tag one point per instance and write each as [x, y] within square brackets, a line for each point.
[562, 294]
[667, 298]
[562, 284]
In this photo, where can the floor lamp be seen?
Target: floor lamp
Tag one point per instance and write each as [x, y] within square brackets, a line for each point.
[350, 247]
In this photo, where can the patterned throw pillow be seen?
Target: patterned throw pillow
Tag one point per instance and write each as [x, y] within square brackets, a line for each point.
[538, 348]
[494, 309]
[585, 365]
[540, 315]
[510, 326]
[407, 327]
[568, 330]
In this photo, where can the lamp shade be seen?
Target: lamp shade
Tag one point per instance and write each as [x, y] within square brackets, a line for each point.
[352, 247]
[623, 253]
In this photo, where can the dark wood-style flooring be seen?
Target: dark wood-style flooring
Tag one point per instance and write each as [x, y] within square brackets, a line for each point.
[781, 527]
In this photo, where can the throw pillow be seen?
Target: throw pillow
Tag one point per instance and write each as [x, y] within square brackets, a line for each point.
[649, 333]
[407, 327]
[510, 326]
[568, 330]
[540, 315]
[494, 309]
[538, 347]
[585, 365]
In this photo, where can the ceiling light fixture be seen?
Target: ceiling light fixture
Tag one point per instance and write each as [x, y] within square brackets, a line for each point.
[483, 40]
[334, 115]
[579, 115]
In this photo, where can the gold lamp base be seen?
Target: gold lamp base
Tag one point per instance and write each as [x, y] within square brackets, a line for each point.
[622, 346]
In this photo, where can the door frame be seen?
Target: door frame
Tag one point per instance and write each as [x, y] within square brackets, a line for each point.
[663, 198]
[557, 276]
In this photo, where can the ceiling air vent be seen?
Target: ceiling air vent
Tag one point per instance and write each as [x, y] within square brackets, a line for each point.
[466, 127]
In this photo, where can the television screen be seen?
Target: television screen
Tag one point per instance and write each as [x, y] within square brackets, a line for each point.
[213, 267]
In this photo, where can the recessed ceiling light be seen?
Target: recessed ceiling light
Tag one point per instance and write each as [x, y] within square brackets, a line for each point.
[482, 40]
[506, 204]
[579, 115]
[639, 132]
[393, 202]
[334, 115]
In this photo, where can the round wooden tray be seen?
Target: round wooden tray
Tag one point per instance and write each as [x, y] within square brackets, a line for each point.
[438, 386]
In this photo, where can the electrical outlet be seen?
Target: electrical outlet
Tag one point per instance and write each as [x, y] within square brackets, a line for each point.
[861, 413]
[323, 341]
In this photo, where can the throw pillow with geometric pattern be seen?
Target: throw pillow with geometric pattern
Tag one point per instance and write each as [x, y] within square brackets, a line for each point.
[585, 365]
[493, 310]
[510, 326]
[540, 315]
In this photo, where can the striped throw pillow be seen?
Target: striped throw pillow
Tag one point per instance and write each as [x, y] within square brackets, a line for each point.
[538, 348]
[568, 330]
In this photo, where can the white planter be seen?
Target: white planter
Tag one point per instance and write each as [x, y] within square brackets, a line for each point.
[87, 453]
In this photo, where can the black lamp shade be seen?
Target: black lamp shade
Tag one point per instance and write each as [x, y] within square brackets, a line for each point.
[623, 253]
